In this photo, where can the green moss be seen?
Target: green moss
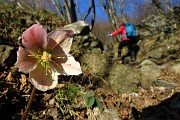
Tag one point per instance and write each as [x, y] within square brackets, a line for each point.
[14, 21]
[172, 51]
[66, 96]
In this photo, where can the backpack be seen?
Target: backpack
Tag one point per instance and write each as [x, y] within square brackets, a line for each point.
[130, 30]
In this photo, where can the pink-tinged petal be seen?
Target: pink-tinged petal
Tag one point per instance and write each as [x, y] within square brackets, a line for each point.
[51, 44]
[34, 38]
[44, 78]
[56, 50]
[58, 55]
[25, 61]
[62, 37]
[71, 67]
[58, 68]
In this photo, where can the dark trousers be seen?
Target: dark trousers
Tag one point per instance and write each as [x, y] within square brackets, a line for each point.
[129, 44]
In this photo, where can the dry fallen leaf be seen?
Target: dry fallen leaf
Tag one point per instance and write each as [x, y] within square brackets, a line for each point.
[60, 85]
[9, 78]
[23, 81]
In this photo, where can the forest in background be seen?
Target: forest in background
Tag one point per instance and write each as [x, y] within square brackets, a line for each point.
[114, 12]
[111, 13]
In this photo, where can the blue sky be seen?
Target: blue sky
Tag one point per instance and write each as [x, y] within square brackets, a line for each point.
[100, 13]
[129, 7]
[84, 4]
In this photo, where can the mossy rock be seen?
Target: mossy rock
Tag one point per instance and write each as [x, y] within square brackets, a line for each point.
[125, 79]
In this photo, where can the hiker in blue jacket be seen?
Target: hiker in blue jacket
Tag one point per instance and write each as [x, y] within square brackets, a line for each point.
[125, 41]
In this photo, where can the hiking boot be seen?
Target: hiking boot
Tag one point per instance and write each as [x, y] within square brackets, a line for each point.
[133, 59]
[119, 61]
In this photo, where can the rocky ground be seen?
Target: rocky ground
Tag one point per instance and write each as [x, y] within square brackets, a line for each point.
[156, 103]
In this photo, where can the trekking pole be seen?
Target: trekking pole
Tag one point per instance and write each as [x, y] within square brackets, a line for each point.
[110, 40]
[108, 34]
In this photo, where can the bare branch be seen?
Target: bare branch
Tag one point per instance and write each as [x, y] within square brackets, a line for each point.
[93, 15]
[78, 9]
[59, 10]
[88, 11]
[20, 5]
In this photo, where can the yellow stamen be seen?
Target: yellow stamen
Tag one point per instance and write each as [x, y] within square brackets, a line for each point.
[46, 56]
[44, 60]
[61, 57]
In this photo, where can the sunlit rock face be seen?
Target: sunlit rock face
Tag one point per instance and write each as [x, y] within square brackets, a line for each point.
[7, 56]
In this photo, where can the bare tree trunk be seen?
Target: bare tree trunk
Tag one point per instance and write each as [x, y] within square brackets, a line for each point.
[120, 4]
[66, 11]
[69, 10]
[114, 14]
[93, 14]
[111, 11]
[65, 8]
[106, 7]
[72, 12]
[91, 7]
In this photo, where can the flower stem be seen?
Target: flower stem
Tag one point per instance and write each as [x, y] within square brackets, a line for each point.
[29, 104]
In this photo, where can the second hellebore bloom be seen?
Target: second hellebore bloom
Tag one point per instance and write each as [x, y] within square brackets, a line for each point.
[45, 56]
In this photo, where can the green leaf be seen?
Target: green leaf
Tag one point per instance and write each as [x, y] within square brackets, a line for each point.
[100, 106]
[87, 96]
[90, 102]
[61, 110]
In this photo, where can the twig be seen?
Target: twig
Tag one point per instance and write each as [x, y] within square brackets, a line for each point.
[29, 104]
[20, 5]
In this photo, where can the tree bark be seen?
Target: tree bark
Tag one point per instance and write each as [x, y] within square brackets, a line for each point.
[69, 10]
[93, 14]
[91, 7]
[72, 12]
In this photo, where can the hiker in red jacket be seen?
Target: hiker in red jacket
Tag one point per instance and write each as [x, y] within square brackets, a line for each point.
[125, 41]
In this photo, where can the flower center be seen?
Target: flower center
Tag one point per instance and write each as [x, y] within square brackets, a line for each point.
[45, 58]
